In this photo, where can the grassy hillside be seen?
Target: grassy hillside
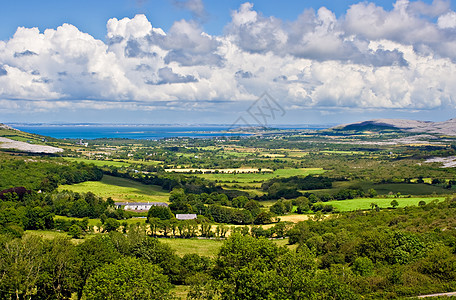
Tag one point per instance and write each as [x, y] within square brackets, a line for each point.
[249, 178]
[120, 189]
[365, 203]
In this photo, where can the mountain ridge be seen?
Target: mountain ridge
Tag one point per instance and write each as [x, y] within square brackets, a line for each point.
[444, 128]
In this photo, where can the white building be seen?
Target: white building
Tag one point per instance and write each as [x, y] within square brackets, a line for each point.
[139, 206]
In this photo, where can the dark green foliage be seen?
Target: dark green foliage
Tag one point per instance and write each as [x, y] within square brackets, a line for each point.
[221, 214]
[288, 187]
[127, 278]
[161, 212]
[348, 194]
[75, 231]
[43, 173]
[111, 224]
[281, 207]
[249, 268]
[38, 218]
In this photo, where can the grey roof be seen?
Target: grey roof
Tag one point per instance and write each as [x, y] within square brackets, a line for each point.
[141, 203]
[185, 216]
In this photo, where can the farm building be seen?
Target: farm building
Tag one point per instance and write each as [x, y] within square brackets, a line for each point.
[185, 216]
[140, 206]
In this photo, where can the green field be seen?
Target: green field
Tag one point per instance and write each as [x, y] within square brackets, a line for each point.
[120, 189]
[415, 189]
[365, 203]
[409, 189]
[251, 177]
[51, 234]
[92, 222]
[205, 247]
[99, 163]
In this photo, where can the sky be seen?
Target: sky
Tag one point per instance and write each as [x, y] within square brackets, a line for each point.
[211, 61]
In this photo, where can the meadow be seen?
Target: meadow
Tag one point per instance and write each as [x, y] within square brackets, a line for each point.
[120, 189]
[365, 203]
[259, 177]
[415, 189]
[98, 163]
[205, 247]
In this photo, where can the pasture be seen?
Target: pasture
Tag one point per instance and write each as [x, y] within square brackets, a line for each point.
[365, 203]
[120, 189]
[252, 177]
[205, 247]
[415, 189]
[98, 163]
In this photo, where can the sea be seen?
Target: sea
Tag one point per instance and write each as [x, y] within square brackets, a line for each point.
[149, 132]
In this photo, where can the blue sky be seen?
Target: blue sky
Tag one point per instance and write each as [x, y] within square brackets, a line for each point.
[91, 16]
[206, 61]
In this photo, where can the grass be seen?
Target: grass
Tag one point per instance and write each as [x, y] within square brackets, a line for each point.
[51, 234]
[284, 242]
[409, 189]
[180, 291]
[365, 203]
[386, 188]
[21, 136]
[250, 177]
[98, 163]
[92, 222]
[120, 189]
[203, 247]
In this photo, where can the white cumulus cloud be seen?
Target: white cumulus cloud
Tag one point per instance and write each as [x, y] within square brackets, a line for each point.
[370, 57]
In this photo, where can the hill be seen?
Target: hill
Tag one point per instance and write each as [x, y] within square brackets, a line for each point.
[11, 138]
[443, 128]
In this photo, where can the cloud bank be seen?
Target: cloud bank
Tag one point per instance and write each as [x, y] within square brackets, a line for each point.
[369, 58]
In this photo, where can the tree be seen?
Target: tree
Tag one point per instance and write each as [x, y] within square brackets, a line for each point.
[94, 253]
[363, 266]
[161, 212]
[372, 193]
[111, 224]
[253, 206]
[75, 231]
[59, 272]
[264, 217]
[128, 278]
[21, 262]
[394, 203]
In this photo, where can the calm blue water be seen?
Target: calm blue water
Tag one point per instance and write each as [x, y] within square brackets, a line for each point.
[119, 131]
[152, 132]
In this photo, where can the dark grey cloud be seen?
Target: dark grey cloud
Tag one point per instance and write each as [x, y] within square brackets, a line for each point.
[188, 46]
[134, 49]
[382, 58]
[167, 76]
[143, 68]
[25, 53]
[243, 74]
[114, 40]
[42, 80]
[186, 58]
[281, 78]
[3, 71]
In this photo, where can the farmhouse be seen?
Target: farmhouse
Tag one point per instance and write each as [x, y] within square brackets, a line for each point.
[139, 206]
[185, 216]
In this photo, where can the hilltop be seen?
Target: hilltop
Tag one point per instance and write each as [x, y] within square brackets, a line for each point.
[443, 128]
[11, 138]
